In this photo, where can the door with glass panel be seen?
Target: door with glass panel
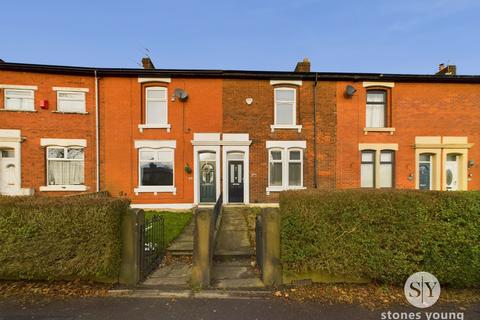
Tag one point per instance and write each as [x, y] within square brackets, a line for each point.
[425, 171]
[235, 181]
[451, 172]
[207, 177]
[9, 182]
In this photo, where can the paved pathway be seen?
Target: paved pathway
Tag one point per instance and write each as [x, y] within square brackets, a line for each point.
[234, 256]
[175, 271]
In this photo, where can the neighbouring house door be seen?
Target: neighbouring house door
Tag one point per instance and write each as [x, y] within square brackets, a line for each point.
[9, 181]
[235, 181]
[451, 172]
[425, 174]
[207, 181]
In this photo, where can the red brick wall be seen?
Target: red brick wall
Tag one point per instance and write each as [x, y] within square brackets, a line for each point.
[418, 109]
[255, 119]
[121, 113]
[47, 124]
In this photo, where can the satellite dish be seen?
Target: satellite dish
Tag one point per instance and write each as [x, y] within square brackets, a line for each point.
[350, 91]
[181, 94]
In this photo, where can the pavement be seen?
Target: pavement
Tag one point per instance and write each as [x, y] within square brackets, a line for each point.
[231, 309]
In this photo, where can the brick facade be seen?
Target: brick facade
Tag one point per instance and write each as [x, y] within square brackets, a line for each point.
[438, 114]
[121, 112]
[417, 109]
[46, 123]
[255, 119]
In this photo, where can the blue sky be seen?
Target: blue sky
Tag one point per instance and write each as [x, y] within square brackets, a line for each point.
[407, 36]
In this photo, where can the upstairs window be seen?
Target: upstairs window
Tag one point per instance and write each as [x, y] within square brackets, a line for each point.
[156, 167]
[65, 166]
[71, 101]
[156, 107]
[19, 99]
[376, 112]
[285, 107]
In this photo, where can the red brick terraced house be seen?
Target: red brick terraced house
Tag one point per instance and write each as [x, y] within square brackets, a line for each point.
[180, 138]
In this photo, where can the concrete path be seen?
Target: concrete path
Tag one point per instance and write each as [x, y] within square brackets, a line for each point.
[175, 271]
[234, 256]
[183, 245]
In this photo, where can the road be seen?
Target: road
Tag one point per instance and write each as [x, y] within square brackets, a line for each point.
[155, 308]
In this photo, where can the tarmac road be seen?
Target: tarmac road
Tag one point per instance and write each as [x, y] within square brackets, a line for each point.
[225, 309]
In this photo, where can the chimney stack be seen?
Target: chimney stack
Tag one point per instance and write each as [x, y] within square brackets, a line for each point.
[303, 66]
[447, 70]
[147, 63]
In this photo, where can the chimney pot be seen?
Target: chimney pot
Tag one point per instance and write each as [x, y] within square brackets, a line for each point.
[303, 66]
[147, 63]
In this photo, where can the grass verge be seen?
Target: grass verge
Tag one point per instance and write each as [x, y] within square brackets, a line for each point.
[175, 222]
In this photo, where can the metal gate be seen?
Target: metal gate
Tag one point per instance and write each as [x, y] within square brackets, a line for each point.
[152, 243]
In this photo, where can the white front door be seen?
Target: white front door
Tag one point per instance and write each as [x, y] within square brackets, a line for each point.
[9, 179]
[451, 172]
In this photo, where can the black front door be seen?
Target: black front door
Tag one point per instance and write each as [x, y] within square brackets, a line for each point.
[207, 181]
[235, 181]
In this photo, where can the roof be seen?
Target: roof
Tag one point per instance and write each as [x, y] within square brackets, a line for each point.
[238, 74]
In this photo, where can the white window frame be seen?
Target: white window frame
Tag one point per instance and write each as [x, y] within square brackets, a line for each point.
[80, 92]
[152, 125]
[285, 151]
[377, 151]
[5, 98]
[154, 189]
[270, 160]
[292, 125]
[288, 160]
[65, 187]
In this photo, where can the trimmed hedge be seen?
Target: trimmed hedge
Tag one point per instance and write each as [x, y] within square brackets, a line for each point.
[384, 236]
[60, 238]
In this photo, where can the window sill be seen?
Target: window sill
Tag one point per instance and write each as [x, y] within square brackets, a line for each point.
[274, 127]
[14, 110]
[155, 189]
[69, 112]
[64, 188]
[141, 127]
[282, 188]
[389, 130]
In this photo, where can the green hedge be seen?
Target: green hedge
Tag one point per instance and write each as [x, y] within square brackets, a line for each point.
[383, 235]
[60, 238]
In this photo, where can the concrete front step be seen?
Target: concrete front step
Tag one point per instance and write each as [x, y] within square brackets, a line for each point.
[252, 293]
[238, 283]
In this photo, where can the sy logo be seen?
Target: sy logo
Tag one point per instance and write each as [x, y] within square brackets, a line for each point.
[422, 289]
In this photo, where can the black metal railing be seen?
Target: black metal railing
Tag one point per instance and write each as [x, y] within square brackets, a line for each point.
[217, 209]
[152, 244]
[259, 245]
